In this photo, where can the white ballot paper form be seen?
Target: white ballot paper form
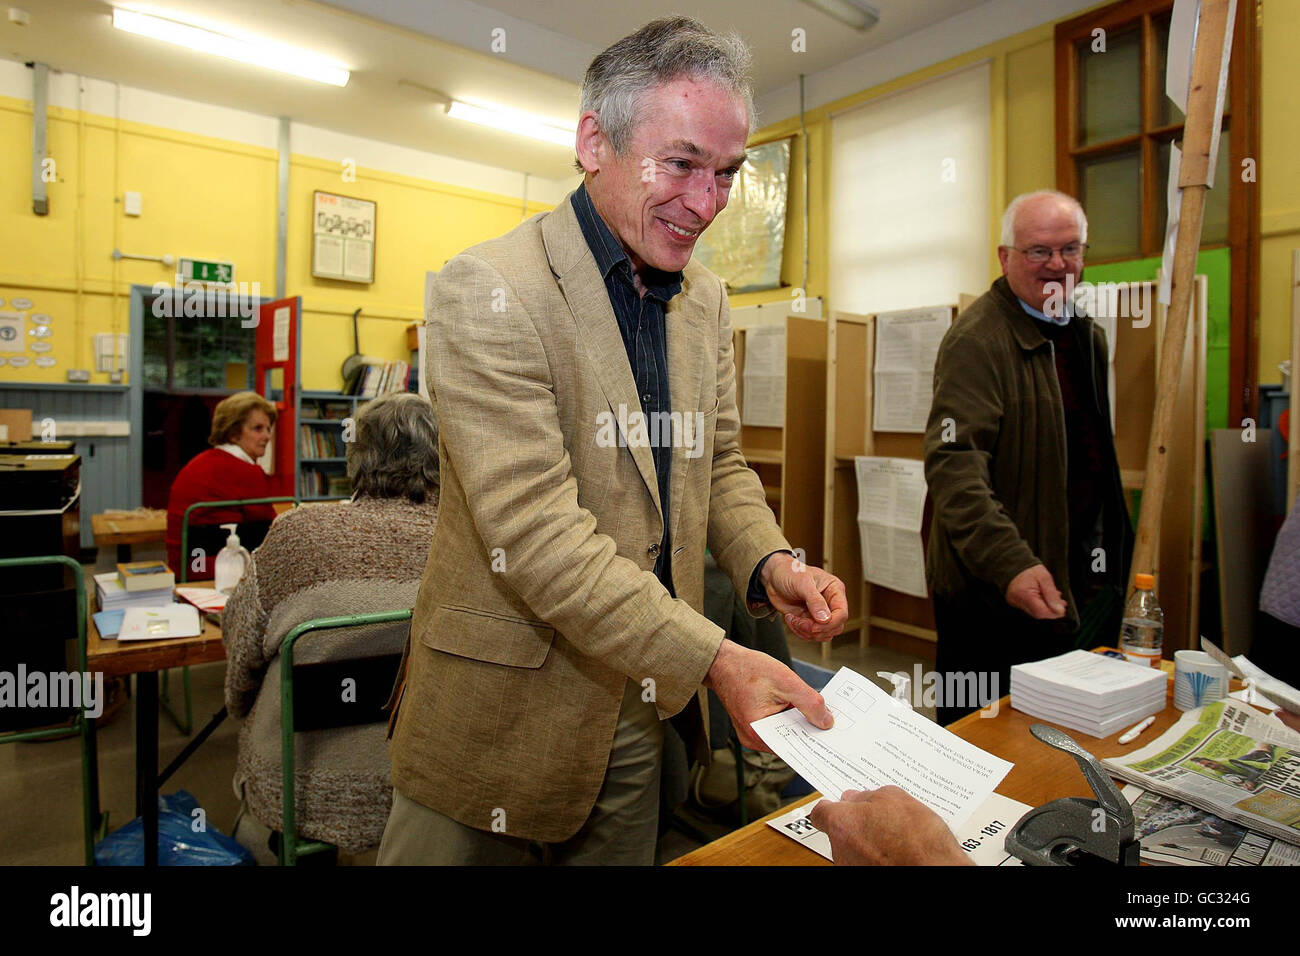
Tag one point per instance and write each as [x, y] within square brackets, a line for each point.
[764, 376]
[906, 345]
[982, 836]
[891, 501]
[877, 741]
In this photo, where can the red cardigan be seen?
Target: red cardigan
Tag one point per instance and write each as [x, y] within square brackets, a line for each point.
[214, 475]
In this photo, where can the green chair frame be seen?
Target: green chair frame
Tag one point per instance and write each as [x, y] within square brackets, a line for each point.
[291, 848]
[94, 824]
[186, 725]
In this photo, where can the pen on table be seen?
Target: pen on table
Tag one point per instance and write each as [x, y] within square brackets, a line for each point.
[1132, 732]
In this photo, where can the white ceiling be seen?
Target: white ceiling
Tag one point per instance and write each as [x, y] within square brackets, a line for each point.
[444, 45]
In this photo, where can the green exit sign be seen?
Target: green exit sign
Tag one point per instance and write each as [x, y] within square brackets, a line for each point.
[201, 270]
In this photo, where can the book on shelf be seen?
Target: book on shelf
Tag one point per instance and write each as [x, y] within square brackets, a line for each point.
[319, 483]
[375, 380]
[320, 441]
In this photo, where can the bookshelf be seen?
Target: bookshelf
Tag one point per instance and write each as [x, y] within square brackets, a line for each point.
[321, 454]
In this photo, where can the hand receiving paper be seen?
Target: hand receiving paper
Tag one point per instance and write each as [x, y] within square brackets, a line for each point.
[886, 827]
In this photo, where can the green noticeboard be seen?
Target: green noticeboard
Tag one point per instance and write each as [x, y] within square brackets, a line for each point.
[1216, 265]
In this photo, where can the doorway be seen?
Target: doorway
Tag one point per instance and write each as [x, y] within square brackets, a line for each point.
[195, 349]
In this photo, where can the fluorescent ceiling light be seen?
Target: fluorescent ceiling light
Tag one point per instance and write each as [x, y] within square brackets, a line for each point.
[513, 121]
[854, 13]
[258, 52]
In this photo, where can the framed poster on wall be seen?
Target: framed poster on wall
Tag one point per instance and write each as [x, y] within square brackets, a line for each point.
[343, 237]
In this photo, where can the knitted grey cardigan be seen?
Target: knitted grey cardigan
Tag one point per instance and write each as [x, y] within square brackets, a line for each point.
[321, 561]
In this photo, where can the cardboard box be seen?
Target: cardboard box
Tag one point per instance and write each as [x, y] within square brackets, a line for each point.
[15, 424]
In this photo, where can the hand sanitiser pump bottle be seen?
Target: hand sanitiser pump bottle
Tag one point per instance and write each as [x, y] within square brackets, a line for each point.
[1142, 637]
[232, 561]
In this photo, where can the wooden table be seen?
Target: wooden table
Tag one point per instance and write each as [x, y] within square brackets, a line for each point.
[145, 659]
[125, 530]
[1040, 774]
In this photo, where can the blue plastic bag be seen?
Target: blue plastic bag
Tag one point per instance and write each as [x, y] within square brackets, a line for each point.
[178, 842]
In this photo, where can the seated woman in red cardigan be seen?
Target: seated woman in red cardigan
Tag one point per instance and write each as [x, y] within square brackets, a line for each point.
[241, 428]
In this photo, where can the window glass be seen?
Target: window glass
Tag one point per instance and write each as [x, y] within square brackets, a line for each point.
[1112, 198]
[1110, 88]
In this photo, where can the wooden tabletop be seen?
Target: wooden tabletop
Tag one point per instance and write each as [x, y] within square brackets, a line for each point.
[112, 528]
[1040, 774]
[116, 658]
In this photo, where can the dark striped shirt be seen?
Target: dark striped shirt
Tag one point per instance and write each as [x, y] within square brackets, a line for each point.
[641, 323]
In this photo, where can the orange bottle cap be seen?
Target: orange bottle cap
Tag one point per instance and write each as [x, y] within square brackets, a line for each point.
[1146, 582]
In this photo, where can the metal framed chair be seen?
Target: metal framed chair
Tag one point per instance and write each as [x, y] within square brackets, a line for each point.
[291, 847]
[186, 724]
[93, 822]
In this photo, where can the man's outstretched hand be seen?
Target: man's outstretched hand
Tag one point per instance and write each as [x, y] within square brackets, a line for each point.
[811, 600]
[753, 685]
[1034, 592]
[886, 827]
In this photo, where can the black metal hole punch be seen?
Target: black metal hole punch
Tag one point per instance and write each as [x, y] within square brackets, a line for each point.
[1073, 831]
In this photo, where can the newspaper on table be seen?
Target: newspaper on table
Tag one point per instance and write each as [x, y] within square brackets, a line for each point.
[1229, 759]
[1174, 833]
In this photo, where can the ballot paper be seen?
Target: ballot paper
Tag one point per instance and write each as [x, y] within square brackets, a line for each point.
[205, 599]
[156, 623]
[907, 342]
[983, 836]
[877, 741]
[891, 500]
[764, 378]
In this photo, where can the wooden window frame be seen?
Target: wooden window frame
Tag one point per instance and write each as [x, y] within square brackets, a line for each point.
[1241, 113]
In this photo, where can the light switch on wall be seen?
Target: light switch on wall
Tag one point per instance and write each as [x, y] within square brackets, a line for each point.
[131, 203]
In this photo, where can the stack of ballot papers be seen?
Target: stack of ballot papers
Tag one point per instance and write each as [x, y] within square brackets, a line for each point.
[1088, 692]
[112, 596]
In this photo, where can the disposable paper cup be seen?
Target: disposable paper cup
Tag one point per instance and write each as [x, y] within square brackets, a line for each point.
[1198, 680]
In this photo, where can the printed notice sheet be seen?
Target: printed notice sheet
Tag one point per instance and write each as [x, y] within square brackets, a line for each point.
[982, 836]
[906, 345]
[891, 499]
[764, 377]
[877, 741]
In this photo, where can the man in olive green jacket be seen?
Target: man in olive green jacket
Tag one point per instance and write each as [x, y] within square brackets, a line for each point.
[1030, 528]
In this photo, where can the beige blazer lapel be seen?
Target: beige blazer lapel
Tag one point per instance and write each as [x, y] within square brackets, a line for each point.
[687, 350]
[583, 287]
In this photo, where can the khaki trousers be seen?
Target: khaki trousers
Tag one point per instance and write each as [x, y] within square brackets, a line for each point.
[621, 831]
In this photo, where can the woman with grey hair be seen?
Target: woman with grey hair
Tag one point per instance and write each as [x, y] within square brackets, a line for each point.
[321, 561]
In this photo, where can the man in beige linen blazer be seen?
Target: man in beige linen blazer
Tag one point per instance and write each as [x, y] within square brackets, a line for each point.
[540, 624]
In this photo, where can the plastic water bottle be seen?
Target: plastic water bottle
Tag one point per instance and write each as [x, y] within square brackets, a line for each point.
[1142, 636]
[232, 561]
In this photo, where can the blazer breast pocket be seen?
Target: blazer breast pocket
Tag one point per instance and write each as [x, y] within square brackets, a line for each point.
[481, 636]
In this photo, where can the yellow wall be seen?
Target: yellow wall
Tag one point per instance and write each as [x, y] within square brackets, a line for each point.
[212, 199]
[1279, 180]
